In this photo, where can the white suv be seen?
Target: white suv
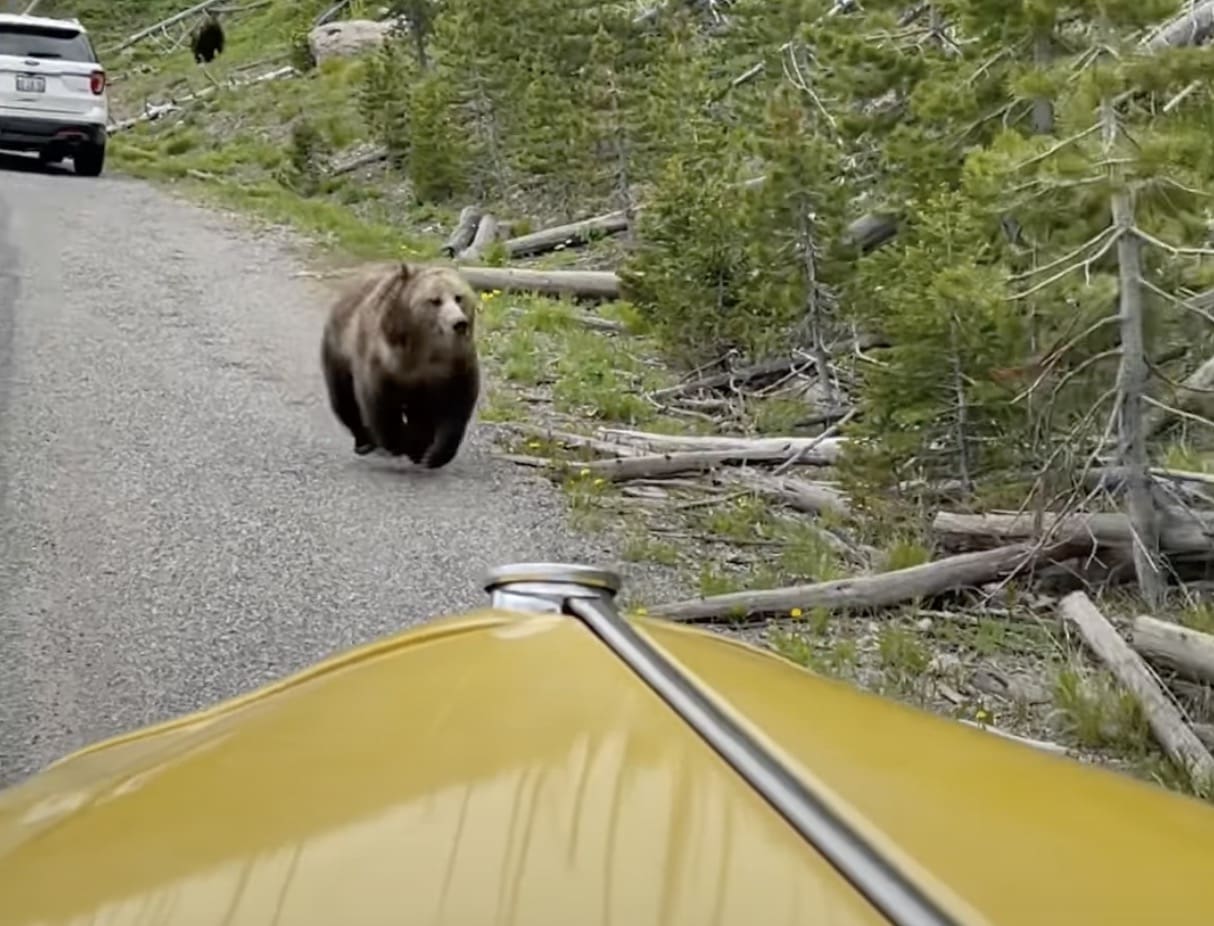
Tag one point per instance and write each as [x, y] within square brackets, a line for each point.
[52, 91]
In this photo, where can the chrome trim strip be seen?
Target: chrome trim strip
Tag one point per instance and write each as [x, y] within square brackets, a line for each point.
[878, 880]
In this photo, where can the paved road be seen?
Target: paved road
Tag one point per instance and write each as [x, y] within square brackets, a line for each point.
[180, 516]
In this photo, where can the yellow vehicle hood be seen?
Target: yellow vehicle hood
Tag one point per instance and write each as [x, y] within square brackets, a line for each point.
[501, 767]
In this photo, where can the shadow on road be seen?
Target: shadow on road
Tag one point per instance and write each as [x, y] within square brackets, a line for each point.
[29, 164]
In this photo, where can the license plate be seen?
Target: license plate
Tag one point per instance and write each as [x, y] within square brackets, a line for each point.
[31, 83]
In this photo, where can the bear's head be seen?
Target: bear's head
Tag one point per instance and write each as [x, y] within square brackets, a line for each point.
[436, 303]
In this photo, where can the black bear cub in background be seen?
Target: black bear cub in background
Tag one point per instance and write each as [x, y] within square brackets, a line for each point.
[208, 39]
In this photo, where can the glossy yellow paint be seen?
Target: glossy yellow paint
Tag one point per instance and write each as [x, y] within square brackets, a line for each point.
[507, 768]
[1023, 836]
[490, 769]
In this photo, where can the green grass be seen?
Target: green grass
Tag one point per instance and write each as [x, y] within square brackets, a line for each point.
[1198, 617]
[1096, 712]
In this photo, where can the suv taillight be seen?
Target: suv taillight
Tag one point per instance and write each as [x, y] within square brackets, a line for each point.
[97, 82]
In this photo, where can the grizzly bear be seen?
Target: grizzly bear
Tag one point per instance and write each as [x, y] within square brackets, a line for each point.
[401, 342]
[208, 38]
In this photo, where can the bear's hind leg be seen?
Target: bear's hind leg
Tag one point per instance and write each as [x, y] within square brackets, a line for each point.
[340, 383]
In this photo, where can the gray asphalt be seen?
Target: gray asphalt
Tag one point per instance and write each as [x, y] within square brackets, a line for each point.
[181, 518]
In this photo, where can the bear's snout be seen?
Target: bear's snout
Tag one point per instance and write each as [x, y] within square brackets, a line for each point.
[453, 320]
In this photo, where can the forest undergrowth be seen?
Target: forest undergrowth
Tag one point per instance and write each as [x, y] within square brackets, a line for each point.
[891, 331]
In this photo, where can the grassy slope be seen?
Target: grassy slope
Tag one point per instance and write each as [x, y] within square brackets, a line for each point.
[1006, 666]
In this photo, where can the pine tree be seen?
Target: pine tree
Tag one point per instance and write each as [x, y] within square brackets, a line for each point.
[1099, 206]
[933, 409]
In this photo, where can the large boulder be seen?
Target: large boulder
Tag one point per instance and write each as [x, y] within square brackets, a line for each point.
[347, 38]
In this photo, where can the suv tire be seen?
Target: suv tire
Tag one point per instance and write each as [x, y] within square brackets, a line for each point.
[89, 160]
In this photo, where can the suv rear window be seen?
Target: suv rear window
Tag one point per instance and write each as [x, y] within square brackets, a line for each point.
[45, 42]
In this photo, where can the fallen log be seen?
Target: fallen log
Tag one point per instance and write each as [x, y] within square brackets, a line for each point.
[797, 494]
[1180, 533]
[656, 465]
[1189, 652]
[242, 8]
[1205, 733]
[817, 452]
[156, 110]
[486, 234]
[1198, 386]
[465, 229]
[363, 160]
[876, 591]
[1184, 483]
[596, 323]
[586, 284]
[822, 438]
[744, 376]
[1164, 718]
[568, 438]
[1191, 27]
[1089, 572]
[1112, 476]
[550, 239]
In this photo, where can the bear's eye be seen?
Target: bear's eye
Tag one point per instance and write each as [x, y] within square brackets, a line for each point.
[459, 299]
[436, 301]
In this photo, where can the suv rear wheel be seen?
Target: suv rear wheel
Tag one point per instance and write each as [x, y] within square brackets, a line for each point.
[89, 160]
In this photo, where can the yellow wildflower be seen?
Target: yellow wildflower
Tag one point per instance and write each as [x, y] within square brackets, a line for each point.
[796, 612]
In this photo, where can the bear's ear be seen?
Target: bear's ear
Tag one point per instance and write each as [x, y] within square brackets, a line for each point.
[407, 271]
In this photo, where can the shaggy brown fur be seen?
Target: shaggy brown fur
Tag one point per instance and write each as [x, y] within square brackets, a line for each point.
[402, 341]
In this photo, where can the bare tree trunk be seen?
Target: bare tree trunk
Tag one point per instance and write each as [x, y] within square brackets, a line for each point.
[813, 307]
[1132, 380]
[1043, 106]
[621, 151]
[962, 419]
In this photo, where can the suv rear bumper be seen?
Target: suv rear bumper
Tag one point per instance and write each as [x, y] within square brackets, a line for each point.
[26, 133]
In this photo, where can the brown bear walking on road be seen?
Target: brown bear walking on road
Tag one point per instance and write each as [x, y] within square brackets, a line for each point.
[402, 341]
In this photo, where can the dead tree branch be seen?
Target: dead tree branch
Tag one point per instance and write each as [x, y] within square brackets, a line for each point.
[1189, 652]
[884, 590]
[465, 228]
[587, 284]
[1166, 722]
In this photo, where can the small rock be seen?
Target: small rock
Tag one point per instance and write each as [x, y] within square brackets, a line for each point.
[924, 624]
